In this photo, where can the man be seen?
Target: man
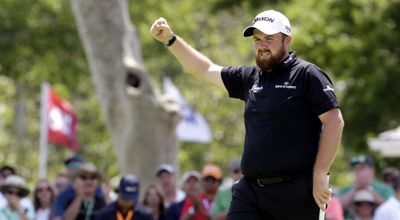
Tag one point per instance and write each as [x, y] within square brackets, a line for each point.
[223, 199]
[389, 175]
[85, 204]
[191, 181]
[364, 170]
[390, 210]
[198, 206]
[166, 178]
[288, 102]
[127, 205]
[62, 183]
[14, 189]
[72, 164]
[6, 171]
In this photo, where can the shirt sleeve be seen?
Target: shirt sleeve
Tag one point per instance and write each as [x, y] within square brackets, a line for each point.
[319, 91]
[233, 79]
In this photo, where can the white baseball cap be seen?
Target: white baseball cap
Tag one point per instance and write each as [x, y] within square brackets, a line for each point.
[269, 22]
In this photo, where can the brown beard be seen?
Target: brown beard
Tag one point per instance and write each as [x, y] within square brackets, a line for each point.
[272, 61]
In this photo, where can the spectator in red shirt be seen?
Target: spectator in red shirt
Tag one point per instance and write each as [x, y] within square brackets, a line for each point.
[198, 207]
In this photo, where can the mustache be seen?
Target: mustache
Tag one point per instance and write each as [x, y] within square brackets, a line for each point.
[263, 51]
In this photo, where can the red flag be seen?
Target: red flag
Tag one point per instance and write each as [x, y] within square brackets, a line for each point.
[61, 122]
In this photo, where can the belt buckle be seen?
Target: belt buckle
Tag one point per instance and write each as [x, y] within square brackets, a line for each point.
[258, 181]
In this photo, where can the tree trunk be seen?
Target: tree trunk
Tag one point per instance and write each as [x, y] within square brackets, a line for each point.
[20, 111]
[141, 121]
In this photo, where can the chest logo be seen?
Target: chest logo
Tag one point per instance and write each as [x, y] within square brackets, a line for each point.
[256, 88]
[285, 86]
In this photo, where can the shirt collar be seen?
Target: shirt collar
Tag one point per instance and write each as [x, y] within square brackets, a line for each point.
[284, 64]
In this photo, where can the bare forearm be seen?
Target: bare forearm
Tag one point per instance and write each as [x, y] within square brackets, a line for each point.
[329, 144]
[196, 63]
[73, 209]
[186, 217]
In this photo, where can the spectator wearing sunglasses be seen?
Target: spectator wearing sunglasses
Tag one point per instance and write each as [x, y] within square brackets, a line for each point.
[72, 164]
[43, 197]
[85, 205]
[223, 199]
[6, 171]
[389, 176]
[14, 189]
[198, 207]
[62, 182]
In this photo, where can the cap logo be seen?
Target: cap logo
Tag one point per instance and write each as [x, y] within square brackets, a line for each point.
[131, 189]
[267, 19]
[288, 29]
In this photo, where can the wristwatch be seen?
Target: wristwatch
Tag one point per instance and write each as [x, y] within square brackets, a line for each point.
[191, 210]
[370, 188]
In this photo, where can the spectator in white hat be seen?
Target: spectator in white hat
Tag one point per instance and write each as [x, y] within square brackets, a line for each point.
[364, 205]
[14, 189]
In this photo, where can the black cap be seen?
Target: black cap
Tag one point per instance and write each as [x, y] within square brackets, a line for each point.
[364, 159]
[129, 188]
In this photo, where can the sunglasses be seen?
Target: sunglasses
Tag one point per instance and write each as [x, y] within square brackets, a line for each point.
[210, 179]
[10, 192]
[43, 189]
[74, 164]
[88, 177]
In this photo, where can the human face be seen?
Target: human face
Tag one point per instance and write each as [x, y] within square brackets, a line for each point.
[167, 181]
[72, 166]
[62, 183]
[269, 49]
[237, 174]
[13, 195]
[211, 184]
[152, 198]
[4, 174]
[192, 186]
[90, 182]
[365, 209]
[43, 192]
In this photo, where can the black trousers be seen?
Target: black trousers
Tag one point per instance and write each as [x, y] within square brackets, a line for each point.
[291, 199]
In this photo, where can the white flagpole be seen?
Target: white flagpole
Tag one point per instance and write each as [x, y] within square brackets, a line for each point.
[43, 130]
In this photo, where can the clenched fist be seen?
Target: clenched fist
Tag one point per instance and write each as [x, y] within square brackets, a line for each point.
[161, 31]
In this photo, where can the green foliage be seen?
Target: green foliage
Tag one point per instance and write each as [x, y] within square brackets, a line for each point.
[354, 41]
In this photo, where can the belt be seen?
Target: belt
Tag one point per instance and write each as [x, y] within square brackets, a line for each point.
[272, 180]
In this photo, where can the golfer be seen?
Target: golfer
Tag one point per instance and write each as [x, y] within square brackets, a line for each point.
[292, 119]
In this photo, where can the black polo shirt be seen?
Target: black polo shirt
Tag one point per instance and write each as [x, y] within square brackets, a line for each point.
[281, 115]
[140, 212]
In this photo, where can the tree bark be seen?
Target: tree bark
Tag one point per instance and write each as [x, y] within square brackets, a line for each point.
[141, 121]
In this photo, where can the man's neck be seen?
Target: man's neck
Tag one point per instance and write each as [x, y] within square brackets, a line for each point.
[170, 197]
[125, 206]
[89, 197]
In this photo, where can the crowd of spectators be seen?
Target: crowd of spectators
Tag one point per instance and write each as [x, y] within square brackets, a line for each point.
[78, 194]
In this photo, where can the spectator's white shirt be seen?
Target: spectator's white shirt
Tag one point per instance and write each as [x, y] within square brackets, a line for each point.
[43, 214]
[23, 202]
[389, 210]
[180, 196]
